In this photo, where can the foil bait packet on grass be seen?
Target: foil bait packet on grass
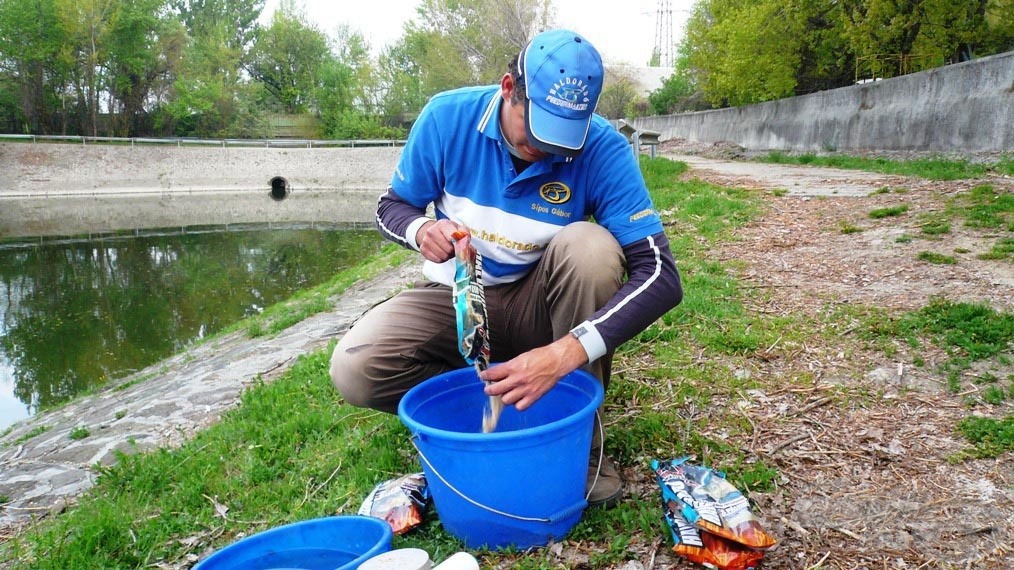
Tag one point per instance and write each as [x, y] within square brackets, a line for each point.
[705, 548]
[695, 498]
[401, 502]
[470, 309]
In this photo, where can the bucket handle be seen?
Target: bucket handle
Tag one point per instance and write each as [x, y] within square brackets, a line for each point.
[566, 512]
[569, 510]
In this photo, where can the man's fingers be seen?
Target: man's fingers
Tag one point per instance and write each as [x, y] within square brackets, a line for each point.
[494, 373]
[512, 397]
[519, 395]
[524, 403]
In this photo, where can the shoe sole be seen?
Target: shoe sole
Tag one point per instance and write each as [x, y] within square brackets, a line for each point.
[609, 502]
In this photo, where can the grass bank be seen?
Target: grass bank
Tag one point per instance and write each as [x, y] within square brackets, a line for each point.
[292, 450]
[929, 168]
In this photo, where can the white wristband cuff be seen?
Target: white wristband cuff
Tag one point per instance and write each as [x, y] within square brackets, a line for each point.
[413, 230]
[590, 339]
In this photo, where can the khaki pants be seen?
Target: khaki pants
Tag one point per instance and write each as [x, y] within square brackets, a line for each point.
[413, 336]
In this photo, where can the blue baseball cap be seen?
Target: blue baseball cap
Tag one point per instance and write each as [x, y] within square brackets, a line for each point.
[562, 73]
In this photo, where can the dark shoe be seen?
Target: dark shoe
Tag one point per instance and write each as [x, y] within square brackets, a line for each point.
[606, 489]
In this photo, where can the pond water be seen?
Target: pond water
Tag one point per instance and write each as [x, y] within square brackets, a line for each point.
[75, 314]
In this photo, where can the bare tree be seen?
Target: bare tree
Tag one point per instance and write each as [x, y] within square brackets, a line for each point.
[486, 33]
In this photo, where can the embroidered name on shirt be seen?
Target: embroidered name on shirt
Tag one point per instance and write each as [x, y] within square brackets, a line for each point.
[642, 214]
[560, 212]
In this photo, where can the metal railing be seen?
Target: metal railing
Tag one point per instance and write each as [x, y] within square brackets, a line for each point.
[225, 143]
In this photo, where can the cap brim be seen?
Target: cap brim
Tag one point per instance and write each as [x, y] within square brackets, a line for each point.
[553, 134]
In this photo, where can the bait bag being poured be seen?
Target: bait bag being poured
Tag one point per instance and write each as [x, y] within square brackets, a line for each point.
[470, 309]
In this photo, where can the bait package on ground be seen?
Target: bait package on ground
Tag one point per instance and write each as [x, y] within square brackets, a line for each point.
[470, 309]
[400, 501]
[705, 548]
[710, 502]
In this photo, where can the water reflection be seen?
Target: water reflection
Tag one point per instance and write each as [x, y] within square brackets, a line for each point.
[78, 313]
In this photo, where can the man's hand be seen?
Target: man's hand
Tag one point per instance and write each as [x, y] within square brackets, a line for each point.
[435, 241]
[524, 379]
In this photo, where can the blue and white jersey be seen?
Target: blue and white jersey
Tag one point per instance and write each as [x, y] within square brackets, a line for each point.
[456, 159]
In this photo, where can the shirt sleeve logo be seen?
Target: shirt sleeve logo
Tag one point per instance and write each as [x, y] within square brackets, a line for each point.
[555, 192]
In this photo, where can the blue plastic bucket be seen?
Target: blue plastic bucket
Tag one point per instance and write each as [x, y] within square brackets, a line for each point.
[328, 543]
[522, 485]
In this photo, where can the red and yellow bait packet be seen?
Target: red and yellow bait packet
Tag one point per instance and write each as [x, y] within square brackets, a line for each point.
[710, 519]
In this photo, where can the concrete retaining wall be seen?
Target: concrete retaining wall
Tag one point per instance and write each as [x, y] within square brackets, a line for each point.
[66, 189]
[962, 108]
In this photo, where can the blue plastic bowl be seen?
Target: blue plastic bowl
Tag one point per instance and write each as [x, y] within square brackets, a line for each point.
[328, 543]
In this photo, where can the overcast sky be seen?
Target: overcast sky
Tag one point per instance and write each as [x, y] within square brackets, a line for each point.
[622, 30]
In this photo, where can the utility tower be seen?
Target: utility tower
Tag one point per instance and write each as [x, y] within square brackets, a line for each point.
[663, 35]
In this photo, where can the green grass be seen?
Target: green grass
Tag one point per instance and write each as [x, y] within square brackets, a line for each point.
[290, 451]
[846, 227]
[981, 208]
[293, 450]
[977, 330]
[936, 258]
[79, 432]
[968, 332]
[1002, 249]
[890, 212]
[38, 430]
[984, 207]
[1005, 165]
[935, 228]
[929, 168]
[990, 437]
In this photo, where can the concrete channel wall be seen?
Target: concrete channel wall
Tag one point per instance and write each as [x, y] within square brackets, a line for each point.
[75, 189]
[963, 108]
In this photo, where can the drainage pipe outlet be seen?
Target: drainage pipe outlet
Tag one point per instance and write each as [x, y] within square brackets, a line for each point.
[279, 188]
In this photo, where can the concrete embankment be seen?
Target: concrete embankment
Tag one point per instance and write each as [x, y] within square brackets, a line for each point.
[74, 189]
[964, 109]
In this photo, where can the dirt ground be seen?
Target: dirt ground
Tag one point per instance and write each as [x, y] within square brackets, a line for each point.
[865, 484]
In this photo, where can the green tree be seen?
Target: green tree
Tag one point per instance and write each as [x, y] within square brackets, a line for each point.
[400, 75]
[288, 58]
[208, 97]
[441, 62]
[231, 22]
[678, 92]
[826, 57]
[958, 30]
[30, 64]
[744, 51]
[883, 35]
[145, 49]
[350, 94]
[88, 25]
[352, 50]
[891, 37]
